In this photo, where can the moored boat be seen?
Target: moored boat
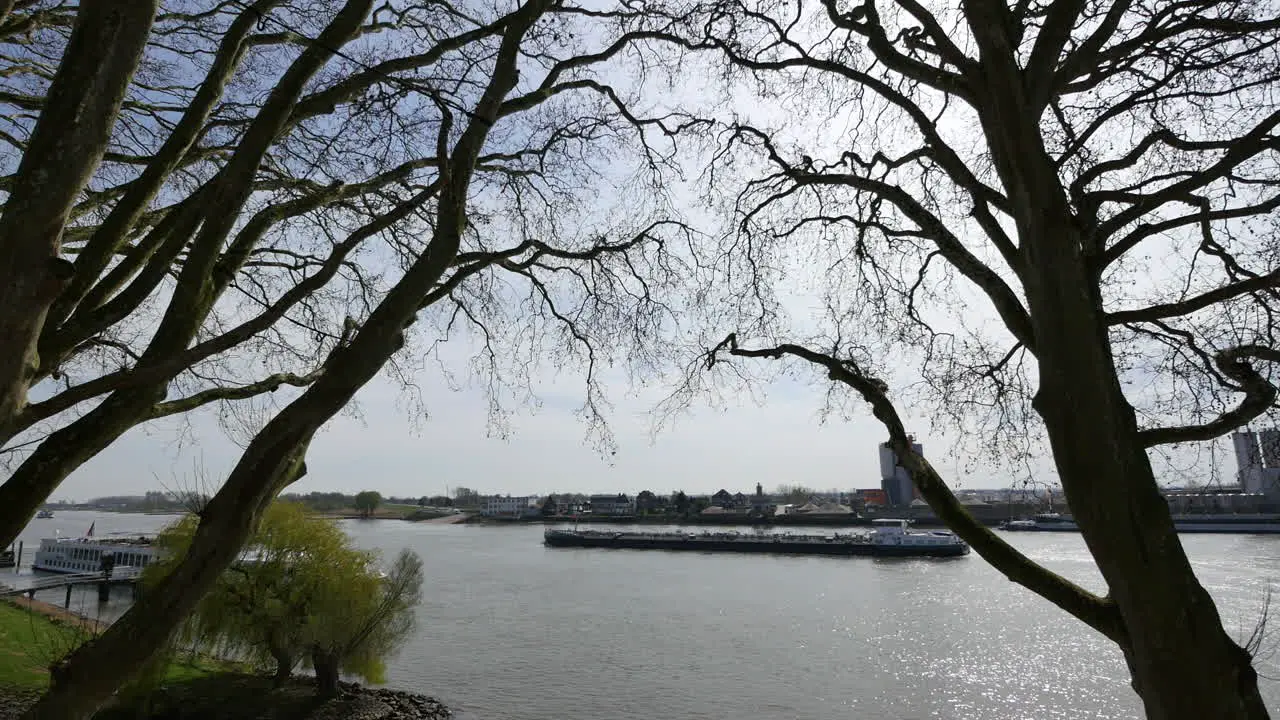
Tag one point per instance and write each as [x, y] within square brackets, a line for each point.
[85, 554]
[44, 514]
[889, 538]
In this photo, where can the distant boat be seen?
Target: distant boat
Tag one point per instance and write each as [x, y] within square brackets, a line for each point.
[44, 515]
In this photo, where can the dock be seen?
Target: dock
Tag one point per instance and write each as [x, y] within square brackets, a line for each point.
[29, 585]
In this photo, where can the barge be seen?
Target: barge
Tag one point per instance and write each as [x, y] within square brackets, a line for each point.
[889, 538]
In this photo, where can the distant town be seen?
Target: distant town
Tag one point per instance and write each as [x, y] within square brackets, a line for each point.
[786, 504]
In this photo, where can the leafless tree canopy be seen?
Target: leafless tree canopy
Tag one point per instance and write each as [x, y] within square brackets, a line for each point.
[343, 171]
[273, 171]
[1100, 177]
[874, 177]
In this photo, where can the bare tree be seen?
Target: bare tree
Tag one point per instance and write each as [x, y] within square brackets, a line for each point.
[516, 258]
[1102, 176]
[262, 174]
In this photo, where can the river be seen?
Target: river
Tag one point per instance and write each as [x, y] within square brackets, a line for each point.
[512, 630]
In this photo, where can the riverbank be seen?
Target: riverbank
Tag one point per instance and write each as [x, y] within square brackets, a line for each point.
[35, 635]
[61, 616]
[232, 696]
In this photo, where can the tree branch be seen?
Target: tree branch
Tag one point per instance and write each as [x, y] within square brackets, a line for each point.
[1193, 304]
[1097, 612]
[1259, 397]
[239, 392]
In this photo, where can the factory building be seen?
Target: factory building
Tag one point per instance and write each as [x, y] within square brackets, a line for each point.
[894, 479]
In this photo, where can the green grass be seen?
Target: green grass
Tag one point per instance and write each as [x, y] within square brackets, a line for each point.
[31, 642]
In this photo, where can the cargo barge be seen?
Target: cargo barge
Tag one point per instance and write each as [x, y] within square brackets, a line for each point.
[889, 538]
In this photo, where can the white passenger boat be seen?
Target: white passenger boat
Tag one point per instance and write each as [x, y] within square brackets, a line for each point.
[85, 554]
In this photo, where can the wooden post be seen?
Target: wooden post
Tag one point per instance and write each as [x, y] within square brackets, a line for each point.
[67, 603]
[104, 591]
[17, 564]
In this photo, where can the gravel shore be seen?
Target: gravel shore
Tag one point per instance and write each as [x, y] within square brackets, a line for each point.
[356, 702]
[353, 702]
[15, 702]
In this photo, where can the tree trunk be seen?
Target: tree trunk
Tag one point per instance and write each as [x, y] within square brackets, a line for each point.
[284, 664]
[1184, 665]
[66, 146]
[327, 668]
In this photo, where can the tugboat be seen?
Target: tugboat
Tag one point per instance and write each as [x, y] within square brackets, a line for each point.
[890, 538]
[44, 515]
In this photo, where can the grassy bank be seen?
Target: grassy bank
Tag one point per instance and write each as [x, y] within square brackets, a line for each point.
[29, 644]
[31, 641]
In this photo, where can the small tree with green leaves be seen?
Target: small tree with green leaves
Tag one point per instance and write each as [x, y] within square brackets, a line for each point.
[301, 587]
[368, 501]
[355, 630]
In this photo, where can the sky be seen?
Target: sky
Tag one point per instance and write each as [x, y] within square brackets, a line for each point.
[386, 450]
[382, 447]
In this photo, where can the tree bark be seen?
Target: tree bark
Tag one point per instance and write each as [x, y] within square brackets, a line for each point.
[327, 672]
[1183, 663]
[66, 146]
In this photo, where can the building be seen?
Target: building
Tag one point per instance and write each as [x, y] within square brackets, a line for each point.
[723, 499]
[762, 504]
[510, 507]
[1259, 462]
[618, 504]
[894, 479]
[872, 497]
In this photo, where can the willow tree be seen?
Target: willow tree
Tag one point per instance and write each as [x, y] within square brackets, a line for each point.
[1102, 177]
[306, 594]
[530, 263]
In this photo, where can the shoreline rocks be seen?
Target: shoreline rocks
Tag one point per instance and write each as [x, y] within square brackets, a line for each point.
[253, 698]
[357, 702]
[13, 702]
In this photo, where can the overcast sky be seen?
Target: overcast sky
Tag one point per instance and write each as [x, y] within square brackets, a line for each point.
[385, 450]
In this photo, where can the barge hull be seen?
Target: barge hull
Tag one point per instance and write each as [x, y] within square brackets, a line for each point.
[779, 548]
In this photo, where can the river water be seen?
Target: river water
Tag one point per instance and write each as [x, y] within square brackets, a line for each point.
[512, 630]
